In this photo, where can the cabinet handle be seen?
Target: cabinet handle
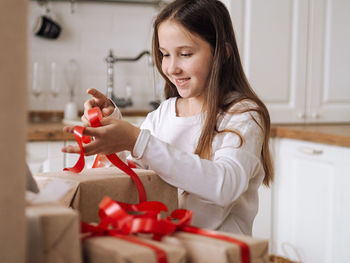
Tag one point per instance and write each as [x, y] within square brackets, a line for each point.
[310, 151]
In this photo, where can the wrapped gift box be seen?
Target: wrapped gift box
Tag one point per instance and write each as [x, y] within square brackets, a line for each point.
[53, 234]
[115, 250]
[201, 249]
[88, 188]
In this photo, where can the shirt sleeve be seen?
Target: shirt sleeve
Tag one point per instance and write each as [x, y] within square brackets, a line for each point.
[116, 114]
[142, 142]
[220, 180]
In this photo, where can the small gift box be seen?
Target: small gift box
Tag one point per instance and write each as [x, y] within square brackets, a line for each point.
[117, 250]
[89, 187]
[202, 249]
[53, 234]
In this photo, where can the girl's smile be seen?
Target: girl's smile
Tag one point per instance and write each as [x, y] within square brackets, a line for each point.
[182, 82]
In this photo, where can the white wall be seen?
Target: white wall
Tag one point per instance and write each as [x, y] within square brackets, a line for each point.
[87, 35]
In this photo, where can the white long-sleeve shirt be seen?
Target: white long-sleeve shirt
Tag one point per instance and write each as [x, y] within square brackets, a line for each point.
[223, 191]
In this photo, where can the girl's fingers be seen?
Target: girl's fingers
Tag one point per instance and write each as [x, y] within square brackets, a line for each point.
[107, 121]
[84, 119]
[92, 132]
[107, 111]
[68, 129]
[89, 104]
[91, 149]
[95, 93]
[71, 149]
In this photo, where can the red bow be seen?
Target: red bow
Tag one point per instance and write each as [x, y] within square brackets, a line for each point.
[119, 218]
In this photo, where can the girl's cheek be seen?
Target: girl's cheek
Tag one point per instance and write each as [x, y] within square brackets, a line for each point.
[164, 68]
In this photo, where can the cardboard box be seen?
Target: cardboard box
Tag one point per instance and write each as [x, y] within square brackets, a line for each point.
[201, 249]
[114, 250]
[88, 188]
[53, 234]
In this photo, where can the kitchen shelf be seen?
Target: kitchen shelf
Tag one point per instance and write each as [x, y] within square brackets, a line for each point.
[156, 3]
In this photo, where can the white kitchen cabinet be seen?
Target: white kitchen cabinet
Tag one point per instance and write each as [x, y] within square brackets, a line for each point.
[328, 78]
[45, 156]
[295, 53]
[262, 227]
[310, 201]
[262, 221]
[71, 159]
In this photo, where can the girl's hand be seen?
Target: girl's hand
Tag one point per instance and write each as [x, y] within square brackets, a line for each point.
[98, 100]
[113, 136]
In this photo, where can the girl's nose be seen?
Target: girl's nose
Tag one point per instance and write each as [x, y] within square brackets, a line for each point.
[174, 67]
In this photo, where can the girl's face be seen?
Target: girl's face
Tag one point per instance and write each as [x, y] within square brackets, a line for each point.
[187, 59]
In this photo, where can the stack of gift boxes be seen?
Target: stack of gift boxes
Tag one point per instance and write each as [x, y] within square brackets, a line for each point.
[54, 228]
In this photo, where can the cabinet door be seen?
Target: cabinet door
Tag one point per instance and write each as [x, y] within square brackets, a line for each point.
[45, 156]
[329, 61]
[272, 38]
[311, 211]
[262, 221]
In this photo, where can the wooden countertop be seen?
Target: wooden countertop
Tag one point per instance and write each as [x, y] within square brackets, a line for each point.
[334, 134]
[48, 132]
[53, 131]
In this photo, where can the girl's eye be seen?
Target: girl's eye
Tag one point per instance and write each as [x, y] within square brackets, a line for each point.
[165, 55]
[186, 54]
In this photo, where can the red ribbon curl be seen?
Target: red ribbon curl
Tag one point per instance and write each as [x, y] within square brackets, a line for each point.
[95, 117]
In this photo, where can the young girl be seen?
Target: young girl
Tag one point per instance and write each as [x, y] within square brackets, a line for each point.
[210, 138]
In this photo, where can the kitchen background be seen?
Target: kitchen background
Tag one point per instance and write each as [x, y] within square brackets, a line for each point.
[296, 56]
[88, 33]
[295, 53]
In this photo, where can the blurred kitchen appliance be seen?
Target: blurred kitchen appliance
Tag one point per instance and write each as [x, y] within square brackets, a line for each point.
[71, 74]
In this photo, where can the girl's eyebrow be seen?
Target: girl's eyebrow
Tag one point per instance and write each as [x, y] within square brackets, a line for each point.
[180, 47]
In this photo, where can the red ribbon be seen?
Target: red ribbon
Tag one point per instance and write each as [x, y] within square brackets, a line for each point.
[113, 214]
[120, 219]
[245, 255]
[95, 117]
[95, 231]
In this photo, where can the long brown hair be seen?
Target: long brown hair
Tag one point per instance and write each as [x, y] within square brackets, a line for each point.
[210, 20]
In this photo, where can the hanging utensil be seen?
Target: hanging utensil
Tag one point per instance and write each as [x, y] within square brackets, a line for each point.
[71, 75]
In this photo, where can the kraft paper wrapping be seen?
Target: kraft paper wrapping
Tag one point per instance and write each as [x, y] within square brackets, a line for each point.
[114, 250]
[53, 234]
[88, 188]
[200, 249]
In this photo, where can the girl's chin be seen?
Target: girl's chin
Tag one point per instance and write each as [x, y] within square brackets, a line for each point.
[183, 93]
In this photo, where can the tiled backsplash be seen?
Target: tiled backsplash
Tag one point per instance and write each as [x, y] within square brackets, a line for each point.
[87, 35]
